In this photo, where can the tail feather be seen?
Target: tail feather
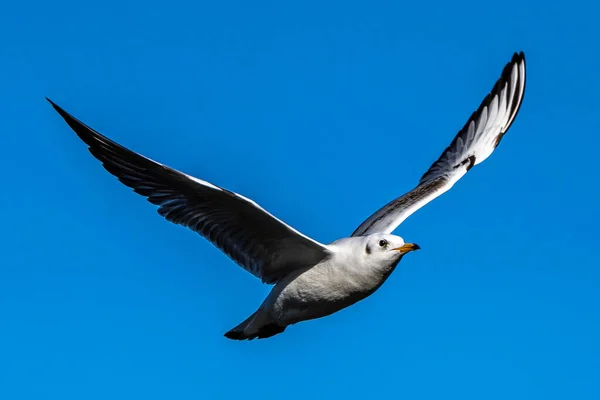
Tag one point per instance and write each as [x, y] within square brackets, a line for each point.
[253, 328]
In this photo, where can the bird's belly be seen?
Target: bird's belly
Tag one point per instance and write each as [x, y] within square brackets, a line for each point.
[318, 292]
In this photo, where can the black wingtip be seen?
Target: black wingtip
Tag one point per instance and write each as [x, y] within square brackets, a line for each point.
[53, 104]
[62, 112]
[518, 57]
[82, 130]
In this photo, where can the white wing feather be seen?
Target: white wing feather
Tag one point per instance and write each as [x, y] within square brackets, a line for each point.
[472, 145]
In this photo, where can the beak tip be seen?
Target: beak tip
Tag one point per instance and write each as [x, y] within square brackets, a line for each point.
[417, 247]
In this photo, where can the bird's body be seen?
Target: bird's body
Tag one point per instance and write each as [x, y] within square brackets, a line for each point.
[338, 281]
[311, 280]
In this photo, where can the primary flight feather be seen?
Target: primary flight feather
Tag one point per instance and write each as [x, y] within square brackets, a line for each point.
[311, 280]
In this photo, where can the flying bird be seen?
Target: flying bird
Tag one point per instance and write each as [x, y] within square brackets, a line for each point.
[311, 280]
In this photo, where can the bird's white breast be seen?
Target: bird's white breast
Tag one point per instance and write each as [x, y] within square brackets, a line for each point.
[329, 286]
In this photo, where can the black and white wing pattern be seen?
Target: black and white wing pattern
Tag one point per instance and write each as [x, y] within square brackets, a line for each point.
[472, 145]
[249, 235]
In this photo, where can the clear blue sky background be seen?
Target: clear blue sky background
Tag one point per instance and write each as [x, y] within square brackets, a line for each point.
[321, 113]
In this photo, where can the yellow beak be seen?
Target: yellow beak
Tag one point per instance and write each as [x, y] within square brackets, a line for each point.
[407, 248]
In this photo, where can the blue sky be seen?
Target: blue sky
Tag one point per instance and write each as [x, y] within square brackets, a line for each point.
[321, 113]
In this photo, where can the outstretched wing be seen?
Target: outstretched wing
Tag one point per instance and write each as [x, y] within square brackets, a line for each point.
[474, 143]
[249, 235]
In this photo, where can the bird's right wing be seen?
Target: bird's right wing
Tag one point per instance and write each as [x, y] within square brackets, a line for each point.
[249, 235]
[473, 144]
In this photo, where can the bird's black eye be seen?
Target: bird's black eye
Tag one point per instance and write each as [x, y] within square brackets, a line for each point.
[383, 243]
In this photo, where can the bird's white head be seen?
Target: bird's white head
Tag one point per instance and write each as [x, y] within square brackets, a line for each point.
[386, 247]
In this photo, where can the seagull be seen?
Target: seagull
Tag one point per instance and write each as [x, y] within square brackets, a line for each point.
[311, 280]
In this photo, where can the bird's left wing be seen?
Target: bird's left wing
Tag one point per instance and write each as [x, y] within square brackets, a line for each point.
[473, 144]
[256, 240]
